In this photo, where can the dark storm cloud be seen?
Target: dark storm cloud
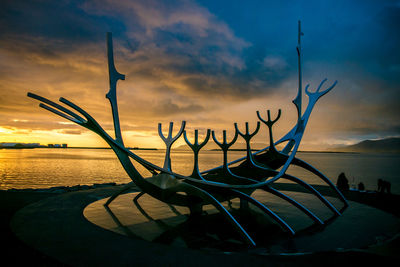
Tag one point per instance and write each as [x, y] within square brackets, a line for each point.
[189, 41]
[169, 107]
[189, 47]
[62, 20]
[229, 66]
[367, 44]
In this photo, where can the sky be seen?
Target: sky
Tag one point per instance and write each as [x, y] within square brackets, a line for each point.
[211, 63]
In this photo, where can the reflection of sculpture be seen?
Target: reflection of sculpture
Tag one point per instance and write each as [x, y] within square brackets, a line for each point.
[256, 171]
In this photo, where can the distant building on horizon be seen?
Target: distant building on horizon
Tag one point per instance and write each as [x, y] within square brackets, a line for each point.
[57, 145]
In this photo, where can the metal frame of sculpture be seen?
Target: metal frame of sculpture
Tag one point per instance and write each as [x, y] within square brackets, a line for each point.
[257, 170]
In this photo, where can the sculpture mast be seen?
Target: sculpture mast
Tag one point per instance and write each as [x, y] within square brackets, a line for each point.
[297, 100]
[114, 76]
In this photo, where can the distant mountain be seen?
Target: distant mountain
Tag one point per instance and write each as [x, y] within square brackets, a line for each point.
[390, 145]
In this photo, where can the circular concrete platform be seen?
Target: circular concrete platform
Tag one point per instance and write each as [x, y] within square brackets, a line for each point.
[77, 230]
[148, 219]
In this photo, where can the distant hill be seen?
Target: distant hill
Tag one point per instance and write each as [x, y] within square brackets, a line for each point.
[389, 145]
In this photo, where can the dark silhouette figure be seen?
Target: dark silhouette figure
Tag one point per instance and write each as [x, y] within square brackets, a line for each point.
[384, 186]
[342, 182]
[361, 186]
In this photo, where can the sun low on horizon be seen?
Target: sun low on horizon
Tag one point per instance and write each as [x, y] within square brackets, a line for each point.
[209, 63]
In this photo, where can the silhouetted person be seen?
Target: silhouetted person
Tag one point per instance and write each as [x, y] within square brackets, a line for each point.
[380, 186]
[342, 182]
[384, 186]
[361, 186]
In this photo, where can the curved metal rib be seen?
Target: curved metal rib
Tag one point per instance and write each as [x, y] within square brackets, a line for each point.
[196, 191]
[305, 165]
[261, 206]
[294, 203]
[58, 113]
[76, 118]
[313, 191]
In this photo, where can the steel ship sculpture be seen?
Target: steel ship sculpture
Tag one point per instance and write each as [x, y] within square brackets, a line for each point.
[258, 170]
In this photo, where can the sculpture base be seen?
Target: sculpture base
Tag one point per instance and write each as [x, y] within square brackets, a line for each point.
[56, 227]
[146, 218]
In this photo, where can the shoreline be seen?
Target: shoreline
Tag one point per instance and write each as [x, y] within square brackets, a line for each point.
[76, 147]
[61, 189]
[212, 150]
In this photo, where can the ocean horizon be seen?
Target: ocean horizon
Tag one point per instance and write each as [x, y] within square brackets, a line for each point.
[52, 167]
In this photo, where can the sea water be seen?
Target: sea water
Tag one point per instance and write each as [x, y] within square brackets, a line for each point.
[50, 167]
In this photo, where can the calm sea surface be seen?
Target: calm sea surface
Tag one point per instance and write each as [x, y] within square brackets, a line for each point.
[43, 167]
